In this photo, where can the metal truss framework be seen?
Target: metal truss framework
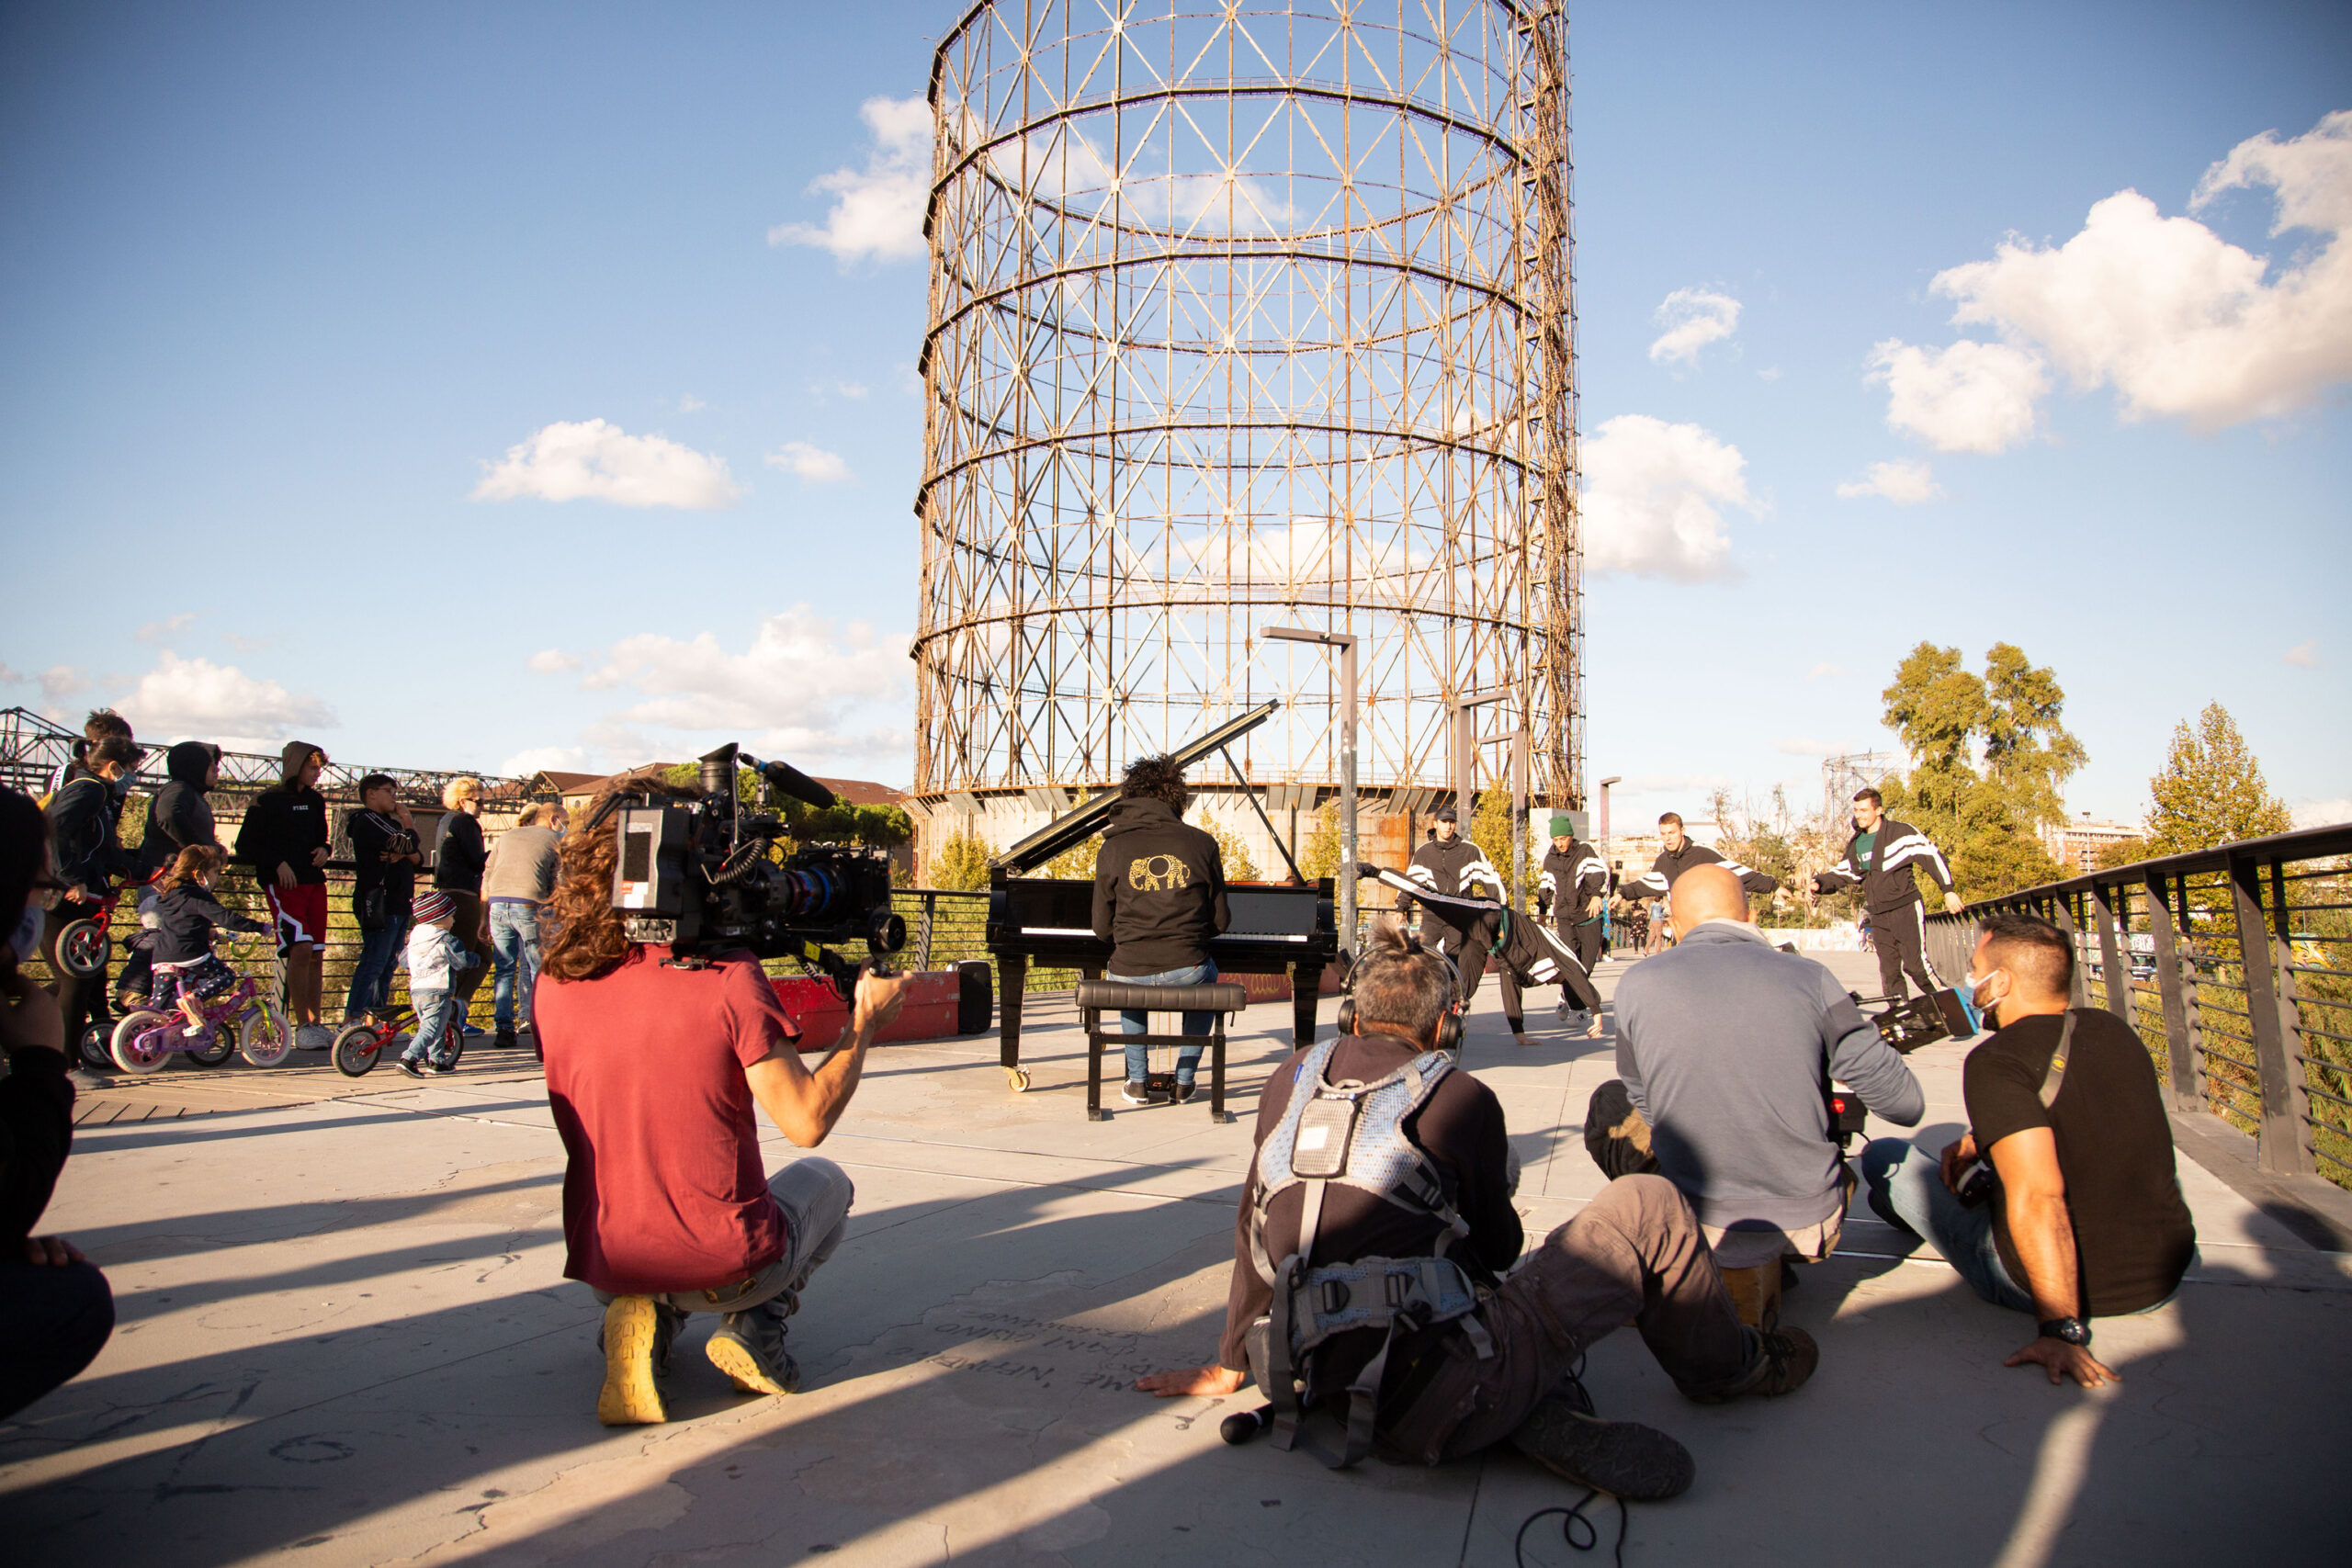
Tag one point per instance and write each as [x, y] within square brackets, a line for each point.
[1245, 314]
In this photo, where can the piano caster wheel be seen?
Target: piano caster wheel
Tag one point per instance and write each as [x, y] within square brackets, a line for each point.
[1018, 1078]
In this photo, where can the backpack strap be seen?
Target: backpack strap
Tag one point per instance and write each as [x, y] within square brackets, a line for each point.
[2056, 1076]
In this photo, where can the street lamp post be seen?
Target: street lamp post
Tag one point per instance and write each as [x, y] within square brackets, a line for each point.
[1606, 889]
[1346, 643]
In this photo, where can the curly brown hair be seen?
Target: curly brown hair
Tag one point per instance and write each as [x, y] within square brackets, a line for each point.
[192, 861]
[1156, 778]
[590, 940]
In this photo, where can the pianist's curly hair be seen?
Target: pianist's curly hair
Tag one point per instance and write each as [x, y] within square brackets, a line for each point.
[589, 941]
[1156, 778]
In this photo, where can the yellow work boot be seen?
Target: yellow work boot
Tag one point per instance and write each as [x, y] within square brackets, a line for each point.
[629, 1397]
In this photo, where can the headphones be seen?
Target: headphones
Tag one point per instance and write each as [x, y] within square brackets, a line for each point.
[1449, 1024]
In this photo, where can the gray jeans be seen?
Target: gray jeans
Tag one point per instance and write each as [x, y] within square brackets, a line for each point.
[815, 1195]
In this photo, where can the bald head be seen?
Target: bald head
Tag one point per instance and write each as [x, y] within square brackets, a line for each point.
[1707, 893]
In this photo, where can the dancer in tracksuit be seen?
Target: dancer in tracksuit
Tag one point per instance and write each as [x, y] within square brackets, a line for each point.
[1880, 857]
[1678, 853]
[1530, 955]
[1572, 892]
[1453, 867]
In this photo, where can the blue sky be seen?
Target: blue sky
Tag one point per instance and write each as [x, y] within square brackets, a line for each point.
[305, 311]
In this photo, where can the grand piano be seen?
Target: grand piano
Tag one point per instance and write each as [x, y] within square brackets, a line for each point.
[1276, 929]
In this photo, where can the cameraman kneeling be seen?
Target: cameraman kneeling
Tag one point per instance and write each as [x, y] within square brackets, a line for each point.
[652, 1073]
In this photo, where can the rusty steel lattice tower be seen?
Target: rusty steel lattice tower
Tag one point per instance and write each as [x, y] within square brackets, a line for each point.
[1247, 314]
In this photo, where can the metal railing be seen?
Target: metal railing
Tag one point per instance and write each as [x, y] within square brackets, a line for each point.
[2235, 964]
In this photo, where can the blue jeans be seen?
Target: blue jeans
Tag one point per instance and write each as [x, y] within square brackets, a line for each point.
[1906, 1185]
[1136, 1021]
[514, 945]
[435, 1010]
[371, 977]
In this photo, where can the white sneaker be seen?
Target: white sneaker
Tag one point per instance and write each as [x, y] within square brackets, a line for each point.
[314, 1037]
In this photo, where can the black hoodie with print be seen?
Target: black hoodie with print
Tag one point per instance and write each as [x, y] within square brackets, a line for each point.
[284, 823]
[1158, 890]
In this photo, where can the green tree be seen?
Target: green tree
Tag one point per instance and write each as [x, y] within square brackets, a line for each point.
[1321, 856]
[1946, 716]
[1238, 866]
[961, 861]
[1492, 829]
[1075, 864]
[2123, 852]
[2211, 790]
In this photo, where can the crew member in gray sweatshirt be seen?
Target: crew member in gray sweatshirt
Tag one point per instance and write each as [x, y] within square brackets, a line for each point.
[1724, 1045]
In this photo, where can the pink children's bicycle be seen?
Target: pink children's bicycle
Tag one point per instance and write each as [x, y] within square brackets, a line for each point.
[241, 1017]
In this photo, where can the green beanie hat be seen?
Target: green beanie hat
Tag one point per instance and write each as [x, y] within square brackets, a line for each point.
[1562, 825]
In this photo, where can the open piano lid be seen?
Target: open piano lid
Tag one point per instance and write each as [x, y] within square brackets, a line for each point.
[1081, 823]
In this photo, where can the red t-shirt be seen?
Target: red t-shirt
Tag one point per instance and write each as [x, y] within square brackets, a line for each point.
[664, 1190]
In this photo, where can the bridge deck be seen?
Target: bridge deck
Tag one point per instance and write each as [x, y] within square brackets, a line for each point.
[344, 1339]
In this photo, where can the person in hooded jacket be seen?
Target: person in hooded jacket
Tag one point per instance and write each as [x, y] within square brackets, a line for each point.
[84, 815]
[188, 972]
[284, 839]
[1158, 897]
[178, 817]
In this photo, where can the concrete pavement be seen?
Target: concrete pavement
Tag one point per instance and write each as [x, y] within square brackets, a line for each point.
[344, 1339]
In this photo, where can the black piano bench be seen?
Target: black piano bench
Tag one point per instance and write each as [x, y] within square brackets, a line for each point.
[1097, 997]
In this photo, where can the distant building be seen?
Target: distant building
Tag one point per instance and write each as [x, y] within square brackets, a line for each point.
[2075, 843]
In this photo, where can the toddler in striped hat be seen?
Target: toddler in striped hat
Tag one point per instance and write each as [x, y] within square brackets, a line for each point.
[434, 957]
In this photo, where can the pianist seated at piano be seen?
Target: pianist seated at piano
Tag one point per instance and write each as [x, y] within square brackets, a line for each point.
[1158, 897]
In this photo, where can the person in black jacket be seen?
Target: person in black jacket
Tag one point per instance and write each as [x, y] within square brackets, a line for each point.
[187, 917]
[84, 818]
[1159, 896]
[385, 855]
[1573, 890]
[284, 839]
[178, 817]
[1452, 867]
[1678, 853]
[1880, 857]
[56, 1310]
[458, 865]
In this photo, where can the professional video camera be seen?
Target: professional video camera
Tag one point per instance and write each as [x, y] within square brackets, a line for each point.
[1907, 1025]
[709, 876]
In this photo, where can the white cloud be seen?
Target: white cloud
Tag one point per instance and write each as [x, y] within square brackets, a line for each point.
[807, 690]
[2304, 655]
[1652, 492]
[594, 460]
[1801, 746]
[156, 630]
[811, 465]
[877, 211]
[1969, 397]
[243, 644]
[552, 662]
[1904, 483]
[2324, 812]
[849, 389]
[1693, 318]
[61, 681]
[195, 699]
[1820, 671]
[2177, 320]
[561, 759]
[689, 403]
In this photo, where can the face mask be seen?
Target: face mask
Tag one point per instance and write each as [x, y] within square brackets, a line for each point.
[1976, 998]
[26, 938]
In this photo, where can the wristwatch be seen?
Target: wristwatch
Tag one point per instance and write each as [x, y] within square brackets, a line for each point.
[2068, 1330]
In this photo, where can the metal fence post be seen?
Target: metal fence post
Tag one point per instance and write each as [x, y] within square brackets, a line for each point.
[2118, 982]
[922, 934]
[2172, 985]
[2285, 1141]
[2080, 994]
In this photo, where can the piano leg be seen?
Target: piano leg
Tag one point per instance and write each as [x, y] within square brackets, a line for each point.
[1012, 978]
[1305, 991]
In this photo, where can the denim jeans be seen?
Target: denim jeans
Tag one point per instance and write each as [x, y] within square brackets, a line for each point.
[1136, 1021]
[514, 946]
[435, 1011]
[371, 977]
[1906, 1185]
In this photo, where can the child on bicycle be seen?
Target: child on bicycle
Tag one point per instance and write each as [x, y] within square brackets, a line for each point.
[187, 917]
[436, 958]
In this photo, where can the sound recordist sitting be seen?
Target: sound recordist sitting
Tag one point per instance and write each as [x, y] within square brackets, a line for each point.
[1723, 1046]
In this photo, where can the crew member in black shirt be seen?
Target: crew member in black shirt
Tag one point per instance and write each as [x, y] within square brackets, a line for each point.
[1452, 867]
[1159, 896]
[2085, 1218]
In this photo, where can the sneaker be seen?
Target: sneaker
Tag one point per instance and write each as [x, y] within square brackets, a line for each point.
[314, 1037]
[506, 1041]
[1784, 1358]
[412, 1066]
[1137, 1092]
[470, 1030]
[629, 1398]
[749, 1347]
[1182, 1093]
[441, 1067]
[196, 1032]
[1624, 1459]
[1562, 1011]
